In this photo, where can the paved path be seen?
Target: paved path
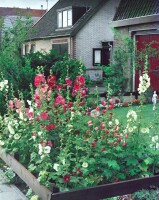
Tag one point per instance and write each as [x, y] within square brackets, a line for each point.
[9, 191]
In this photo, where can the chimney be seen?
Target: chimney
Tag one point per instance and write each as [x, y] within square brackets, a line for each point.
[41, 7]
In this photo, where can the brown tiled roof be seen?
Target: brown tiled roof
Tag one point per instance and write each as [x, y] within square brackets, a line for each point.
[4, 11]
[136, 8]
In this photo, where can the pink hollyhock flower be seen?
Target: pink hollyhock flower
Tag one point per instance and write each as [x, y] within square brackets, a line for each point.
[83, 93]
[59, 100]
[17, 103]
[90, 123]
[104, 103]
[51, 80]
[43, 143]
[102, 126]
[68, 82]
[44, 115]
[40, 78]
[30, 115]
[11, 104]
[66, 178]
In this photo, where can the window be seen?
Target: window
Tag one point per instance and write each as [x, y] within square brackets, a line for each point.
[101, 56]
[65, 18]
[32, 49]
[61, 48]
[26, 48]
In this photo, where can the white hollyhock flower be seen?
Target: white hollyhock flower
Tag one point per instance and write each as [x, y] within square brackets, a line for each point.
[116, 121]
[47, 149]
[16, 136]
[63, 161]
[10, 128]
[29, 102]
[85, 165]
[157, 145]
[56, 166]
[155, 138]
[110, 123]
[145, 130]
[1, 143]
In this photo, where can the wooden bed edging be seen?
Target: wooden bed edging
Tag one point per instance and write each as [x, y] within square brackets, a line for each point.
[26, 176]
[108, 190]
[92, 193]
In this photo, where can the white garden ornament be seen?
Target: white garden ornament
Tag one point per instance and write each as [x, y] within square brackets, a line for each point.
[154, 100]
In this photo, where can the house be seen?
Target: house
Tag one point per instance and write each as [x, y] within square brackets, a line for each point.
[82, 28]
[140, 21]
[9, 15]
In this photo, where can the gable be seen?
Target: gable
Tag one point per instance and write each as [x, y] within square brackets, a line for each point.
[47, 25]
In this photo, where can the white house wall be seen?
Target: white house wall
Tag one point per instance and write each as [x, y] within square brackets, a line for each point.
[96, 30]
[45, 45]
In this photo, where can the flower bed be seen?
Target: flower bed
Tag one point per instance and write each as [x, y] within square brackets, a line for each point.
[61, 142]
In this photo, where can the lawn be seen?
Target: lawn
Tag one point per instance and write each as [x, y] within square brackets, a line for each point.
[149, 117]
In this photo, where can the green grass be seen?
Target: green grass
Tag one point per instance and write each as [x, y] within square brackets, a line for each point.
[148, 116]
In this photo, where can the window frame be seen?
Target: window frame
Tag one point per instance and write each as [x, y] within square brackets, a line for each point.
[60, 20]
[94, 50]
[32, 48]
[26, 48]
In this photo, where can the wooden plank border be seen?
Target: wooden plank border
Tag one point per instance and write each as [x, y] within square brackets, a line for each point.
[109, 190]
[26, 176]
[92, 193]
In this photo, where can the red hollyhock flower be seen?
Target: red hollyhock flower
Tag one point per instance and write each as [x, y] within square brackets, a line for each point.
[34, 134]
[38, 79]
[69, 104]
[59, 87]
[102, 126]
[94, 143]
[50, 143]
[68, 82]
[66, 178]
[79, 172]
[50, 127]
[124, 144]
[104, 111]
[81, 80]
[107, 131]
[51, 80]
[44, 115]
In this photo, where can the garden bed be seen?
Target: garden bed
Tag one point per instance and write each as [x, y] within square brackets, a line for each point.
[93, 193]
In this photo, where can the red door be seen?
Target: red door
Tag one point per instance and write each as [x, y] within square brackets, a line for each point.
[142, 40]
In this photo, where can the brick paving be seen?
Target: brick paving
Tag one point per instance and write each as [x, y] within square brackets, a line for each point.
[9, 191]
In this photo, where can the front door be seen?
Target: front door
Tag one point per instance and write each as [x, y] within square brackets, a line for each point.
[142, 40]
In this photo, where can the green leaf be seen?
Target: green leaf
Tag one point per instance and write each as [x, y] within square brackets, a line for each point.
[131, 161]
[148, 161]
[113, 164]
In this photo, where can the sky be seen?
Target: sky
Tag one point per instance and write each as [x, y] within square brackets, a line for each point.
[33, 4]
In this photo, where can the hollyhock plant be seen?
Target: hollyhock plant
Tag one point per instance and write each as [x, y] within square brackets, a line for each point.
[62, 140]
